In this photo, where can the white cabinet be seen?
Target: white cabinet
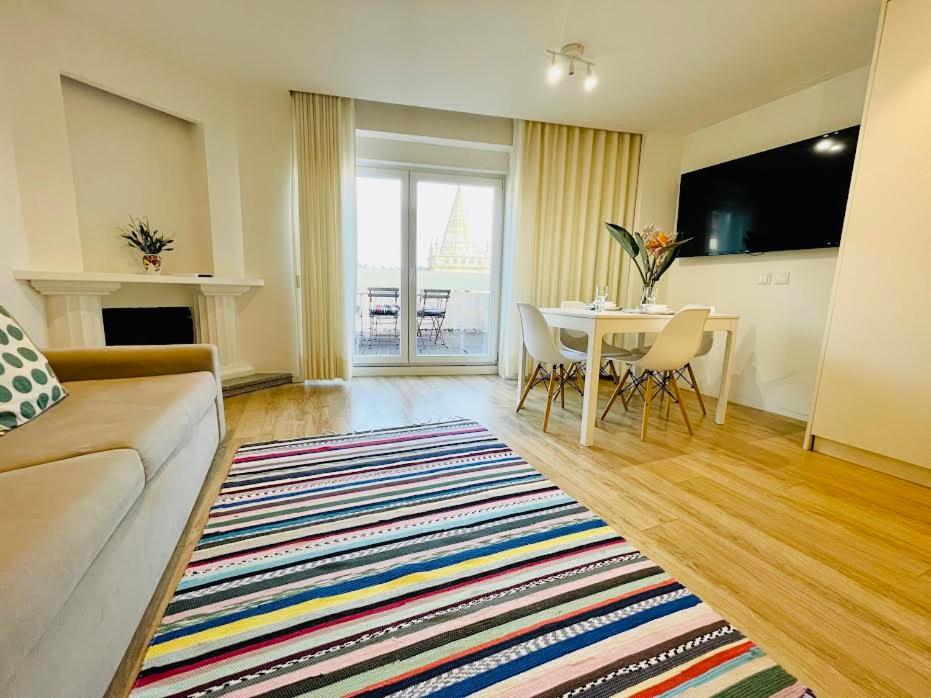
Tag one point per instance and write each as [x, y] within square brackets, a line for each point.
[874, 392]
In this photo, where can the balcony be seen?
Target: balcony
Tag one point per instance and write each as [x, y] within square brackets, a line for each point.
[461, 331]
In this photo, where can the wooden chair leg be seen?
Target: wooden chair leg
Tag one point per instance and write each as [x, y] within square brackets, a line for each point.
[685, 416]
[619, 390]
[669, 377]
[635, 383]
[578, 380]
[613, 369]
[694, 382]
[528, 386]
[562, 386]
[648, 397]
[554, 377]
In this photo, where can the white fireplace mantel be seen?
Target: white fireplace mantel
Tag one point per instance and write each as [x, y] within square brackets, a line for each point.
[75, 317]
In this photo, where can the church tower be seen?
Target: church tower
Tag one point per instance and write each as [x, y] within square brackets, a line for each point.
[458, 251]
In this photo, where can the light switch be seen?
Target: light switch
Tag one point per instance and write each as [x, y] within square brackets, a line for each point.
[764, 279]
[781, 278]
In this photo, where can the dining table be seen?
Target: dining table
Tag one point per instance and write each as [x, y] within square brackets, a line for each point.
[599, 323]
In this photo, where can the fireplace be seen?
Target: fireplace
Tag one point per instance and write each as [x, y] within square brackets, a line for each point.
[170, 325]
[74, 303]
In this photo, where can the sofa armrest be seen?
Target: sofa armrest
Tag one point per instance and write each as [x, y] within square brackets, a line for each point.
[132, 362]
[137, 361]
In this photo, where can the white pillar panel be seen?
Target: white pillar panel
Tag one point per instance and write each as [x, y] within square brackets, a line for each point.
[73, 312]
[216, 324]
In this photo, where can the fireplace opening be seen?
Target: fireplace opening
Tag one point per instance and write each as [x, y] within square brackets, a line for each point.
[127, 326]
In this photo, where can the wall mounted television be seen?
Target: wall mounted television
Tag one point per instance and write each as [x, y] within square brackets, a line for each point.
[788, 198]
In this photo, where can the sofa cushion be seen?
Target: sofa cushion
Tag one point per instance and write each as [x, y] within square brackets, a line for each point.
[152, 415]
[56, 518]
[28, 385]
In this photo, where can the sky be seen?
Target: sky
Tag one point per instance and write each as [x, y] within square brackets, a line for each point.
[378, 217]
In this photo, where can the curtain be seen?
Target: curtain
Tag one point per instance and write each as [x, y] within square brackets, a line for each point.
[569, 181]
[324, 219]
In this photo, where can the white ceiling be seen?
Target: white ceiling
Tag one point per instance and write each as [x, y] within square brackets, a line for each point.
[667, 64]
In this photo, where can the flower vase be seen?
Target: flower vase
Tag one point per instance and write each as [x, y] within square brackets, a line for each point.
[648, 296]
[152, 263]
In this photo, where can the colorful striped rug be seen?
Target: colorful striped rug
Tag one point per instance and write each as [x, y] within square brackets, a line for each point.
[430, 560]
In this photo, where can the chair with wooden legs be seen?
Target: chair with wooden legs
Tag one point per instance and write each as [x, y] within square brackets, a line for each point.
[707, 341]
[673, 348]
[538, 339]
[578, 341]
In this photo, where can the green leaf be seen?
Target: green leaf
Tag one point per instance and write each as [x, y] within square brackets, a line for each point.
[140, 235]
[673, 252]
[624, 239]
[628, 243]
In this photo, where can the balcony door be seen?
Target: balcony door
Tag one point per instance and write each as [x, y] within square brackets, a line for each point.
[428, 268]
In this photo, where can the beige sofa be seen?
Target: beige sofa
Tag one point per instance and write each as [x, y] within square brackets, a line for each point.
[94, 496]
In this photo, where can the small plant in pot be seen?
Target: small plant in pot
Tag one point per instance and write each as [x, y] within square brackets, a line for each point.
[151, 243]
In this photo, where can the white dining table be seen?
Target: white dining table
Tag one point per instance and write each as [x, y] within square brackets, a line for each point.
[597, 324]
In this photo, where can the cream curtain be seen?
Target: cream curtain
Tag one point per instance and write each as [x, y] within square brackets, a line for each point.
[569, 181]
[574, 179]
[324, 218]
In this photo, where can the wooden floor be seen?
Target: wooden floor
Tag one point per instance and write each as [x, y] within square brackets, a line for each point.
[825, 564]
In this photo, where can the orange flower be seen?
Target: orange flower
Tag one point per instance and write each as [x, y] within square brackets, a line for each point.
[657, 241]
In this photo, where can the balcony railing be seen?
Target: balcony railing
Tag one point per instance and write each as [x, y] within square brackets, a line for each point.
[463, 328]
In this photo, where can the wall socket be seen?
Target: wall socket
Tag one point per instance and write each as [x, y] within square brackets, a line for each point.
[781, 278]
[764, 279]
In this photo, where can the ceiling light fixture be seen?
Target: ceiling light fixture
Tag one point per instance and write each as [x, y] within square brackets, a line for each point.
[554, 72]
[570, 54]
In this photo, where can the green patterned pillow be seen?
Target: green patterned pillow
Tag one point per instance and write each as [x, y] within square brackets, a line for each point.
[28, 386]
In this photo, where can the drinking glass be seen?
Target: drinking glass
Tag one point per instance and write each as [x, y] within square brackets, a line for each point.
[601, 296]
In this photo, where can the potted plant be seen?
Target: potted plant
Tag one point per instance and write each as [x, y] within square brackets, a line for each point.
[652, 252]
[139, 235]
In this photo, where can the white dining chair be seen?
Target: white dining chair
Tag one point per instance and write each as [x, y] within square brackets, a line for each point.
[578, 341]
[707, 341]
[538, 339]
[672, 349]
[686, 373]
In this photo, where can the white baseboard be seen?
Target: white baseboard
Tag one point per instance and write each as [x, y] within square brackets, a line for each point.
[437, 370]
[236, 371]
[874, 461]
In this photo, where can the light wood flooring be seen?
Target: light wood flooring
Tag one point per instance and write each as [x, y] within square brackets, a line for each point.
[826, 565]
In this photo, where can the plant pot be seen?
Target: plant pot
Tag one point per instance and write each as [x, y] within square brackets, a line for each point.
[151, 263]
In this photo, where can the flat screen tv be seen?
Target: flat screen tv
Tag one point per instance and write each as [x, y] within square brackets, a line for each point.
[787, 198]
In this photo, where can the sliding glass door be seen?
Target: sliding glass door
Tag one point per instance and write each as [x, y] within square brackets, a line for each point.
[428, 252]
[381, 314]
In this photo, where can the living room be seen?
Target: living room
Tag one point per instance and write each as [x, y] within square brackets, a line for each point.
[603, 279]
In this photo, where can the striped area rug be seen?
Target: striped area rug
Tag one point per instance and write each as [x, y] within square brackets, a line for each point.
[430, 560]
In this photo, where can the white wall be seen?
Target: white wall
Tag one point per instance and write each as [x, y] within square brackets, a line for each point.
[17, 297]
[268, 329]
[44, 45]
[435, 138]
[249, 215]
[128, 159]
[875, 388]
[781, 326]
[657, 196]
[436, 123]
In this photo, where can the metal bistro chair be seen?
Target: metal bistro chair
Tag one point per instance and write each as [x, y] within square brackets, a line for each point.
[384, 308]
[432, 310]
[538, 339]
[673, 348]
